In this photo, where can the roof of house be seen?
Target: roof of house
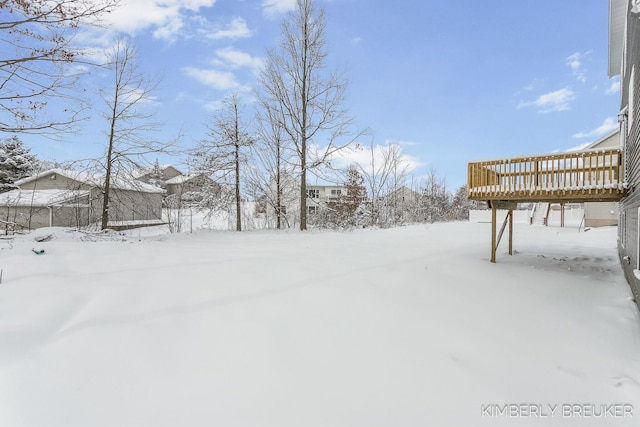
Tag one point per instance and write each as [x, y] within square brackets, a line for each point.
[138, 173]
[606, 138]
[40, 198]
[118, 182]
[403, 190]
[180, 179]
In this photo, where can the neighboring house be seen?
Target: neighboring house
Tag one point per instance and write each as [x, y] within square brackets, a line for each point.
[32, 209]
[319, 196]
[624, 61]
[173, 181]
[67, 198]
[186, 186]
[599, 214]
[288, 204]
[400, 204]
[318, 199]
[150, 174]
[402, 198]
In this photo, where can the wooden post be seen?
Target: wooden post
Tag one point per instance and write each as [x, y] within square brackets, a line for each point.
[493, 233]
[495, 240]
[561, 214]
[510, 232]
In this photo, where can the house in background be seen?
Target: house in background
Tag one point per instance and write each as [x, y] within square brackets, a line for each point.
[319, 196]
[624, 61]
[156, 175]
[401, 202]
[174, 182]
[285, 205]
[188, 187]
[65, 198]
[32, 209]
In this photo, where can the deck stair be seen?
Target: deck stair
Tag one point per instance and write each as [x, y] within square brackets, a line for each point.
[540, 214]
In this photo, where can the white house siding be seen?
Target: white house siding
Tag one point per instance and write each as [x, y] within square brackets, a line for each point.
[128, 205]
[628, 243]
[71, 213]
[601, 214]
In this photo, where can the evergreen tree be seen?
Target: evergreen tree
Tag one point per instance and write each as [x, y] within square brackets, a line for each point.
[156, 176]
[15, 163]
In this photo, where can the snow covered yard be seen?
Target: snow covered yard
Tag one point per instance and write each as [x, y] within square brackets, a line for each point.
[402, 327]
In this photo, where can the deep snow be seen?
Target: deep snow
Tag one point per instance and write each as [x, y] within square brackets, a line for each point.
[410, 326]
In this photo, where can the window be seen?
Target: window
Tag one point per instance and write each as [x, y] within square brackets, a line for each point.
[313, 210]
[313, 194]
[336, 192]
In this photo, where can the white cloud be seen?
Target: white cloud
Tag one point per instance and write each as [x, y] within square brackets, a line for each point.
[237, 29]
[362, 156]
[166, 17]
[214, 105]
[551, 102]
[613, 88]
[276, 7]
[609, 125]
[575, 63]
[220, 75]
[221, 80]
[236, 59]
[356, 41]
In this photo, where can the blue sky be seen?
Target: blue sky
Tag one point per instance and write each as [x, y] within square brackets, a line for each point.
[450, 81]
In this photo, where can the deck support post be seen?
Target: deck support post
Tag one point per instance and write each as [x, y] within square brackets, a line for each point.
[561, 214]
[511, 232]
[493, 233]
[495, 240]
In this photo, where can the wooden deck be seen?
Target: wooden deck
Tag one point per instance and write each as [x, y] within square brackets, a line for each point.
[579, 176]
[573, 177]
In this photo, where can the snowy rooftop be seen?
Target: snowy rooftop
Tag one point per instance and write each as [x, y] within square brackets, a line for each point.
[145, 171]
[119, 182]
[180, 179]
[40, 197]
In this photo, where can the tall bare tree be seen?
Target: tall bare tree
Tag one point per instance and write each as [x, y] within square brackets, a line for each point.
[270, 177]
[383, 176]
[223, 152]
[131, 128]
[308, 97]
[38, 51]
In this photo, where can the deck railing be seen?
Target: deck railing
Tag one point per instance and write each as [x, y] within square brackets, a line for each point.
[573, 176]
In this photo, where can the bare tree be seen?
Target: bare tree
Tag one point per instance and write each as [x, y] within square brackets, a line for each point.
[435, 197]
[131, 127]
[36, 59]
[222, 153]
[383, 177]
[308, 99]
[270, 177]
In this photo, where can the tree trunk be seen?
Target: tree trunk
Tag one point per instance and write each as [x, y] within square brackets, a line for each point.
[303, 192]
[107, 178]
[238, 204]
